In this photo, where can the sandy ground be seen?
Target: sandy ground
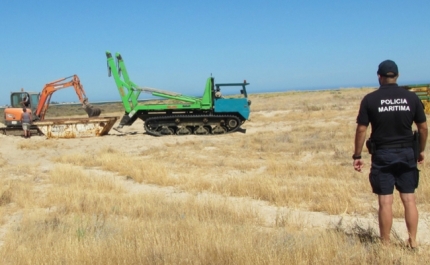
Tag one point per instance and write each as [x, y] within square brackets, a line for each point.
[133, 140]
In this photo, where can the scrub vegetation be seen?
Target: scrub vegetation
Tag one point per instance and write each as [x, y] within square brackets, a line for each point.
[230, 199]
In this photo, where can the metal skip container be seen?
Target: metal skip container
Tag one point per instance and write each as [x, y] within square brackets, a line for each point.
[76, 127]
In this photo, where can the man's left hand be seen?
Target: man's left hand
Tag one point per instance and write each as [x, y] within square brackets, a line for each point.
[358, 164]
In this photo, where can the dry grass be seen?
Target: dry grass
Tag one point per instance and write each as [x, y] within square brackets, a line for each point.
[37, 145]
[108, 159]
[142, 203]
[274, 166]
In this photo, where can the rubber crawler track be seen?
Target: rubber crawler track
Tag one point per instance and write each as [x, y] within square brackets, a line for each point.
[169, 120]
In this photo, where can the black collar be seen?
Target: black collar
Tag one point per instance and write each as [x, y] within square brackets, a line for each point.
[389, 85]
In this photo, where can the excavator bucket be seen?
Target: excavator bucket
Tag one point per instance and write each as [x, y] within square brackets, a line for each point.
[91, 111]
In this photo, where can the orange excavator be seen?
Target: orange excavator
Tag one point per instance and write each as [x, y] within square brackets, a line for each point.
[37, 103]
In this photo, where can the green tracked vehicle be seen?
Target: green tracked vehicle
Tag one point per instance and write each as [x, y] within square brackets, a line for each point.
[177, 114]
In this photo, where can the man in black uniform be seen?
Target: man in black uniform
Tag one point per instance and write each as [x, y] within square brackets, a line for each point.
[391, 110]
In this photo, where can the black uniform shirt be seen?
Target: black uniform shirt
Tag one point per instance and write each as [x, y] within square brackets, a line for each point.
[391, 110]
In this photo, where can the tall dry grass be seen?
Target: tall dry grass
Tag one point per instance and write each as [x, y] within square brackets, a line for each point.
[302, 161]
[111, 207]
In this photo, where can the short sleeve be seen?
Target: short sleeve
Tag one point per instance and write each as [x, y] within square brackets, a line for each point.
[420, 115]
[363, 115]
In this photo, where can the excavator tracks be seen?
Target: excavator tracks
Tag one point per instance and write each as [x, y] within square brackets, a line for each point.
[16, 131]
[192, 124]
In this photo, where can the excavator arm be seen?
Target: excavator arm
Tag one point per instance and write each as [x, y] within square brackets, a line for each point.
[50, 88]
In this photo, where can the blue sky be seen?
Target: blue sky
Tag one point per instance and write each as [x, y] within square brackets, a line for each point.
[177, 45]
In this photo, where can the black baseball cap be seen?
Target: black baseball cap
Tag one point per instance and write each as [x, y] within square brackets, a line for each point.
[388, 68]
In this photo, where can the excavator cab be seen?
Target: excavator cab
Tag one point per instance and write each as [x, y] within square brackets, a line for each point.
[24, 99]
[18, 100]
